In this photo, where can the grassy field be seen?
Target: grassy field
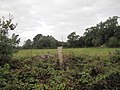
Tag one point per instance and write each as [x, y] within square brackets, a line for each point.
[102, 52]
[75, 73]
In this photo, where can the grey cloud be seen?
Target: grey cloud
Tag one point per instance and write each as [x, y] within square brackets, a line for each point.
[53, 16]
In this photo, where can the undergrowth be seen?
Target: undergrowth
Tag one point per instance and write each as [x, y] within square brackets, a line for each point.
[76, 73]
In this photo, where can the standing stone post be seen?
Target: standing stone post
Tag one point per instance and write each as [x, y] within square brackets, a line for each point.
[60, 56]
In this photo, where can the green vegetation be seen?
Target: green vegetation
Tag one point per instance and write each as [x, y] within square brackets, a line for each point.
[104, 34]
[40, 41]
[7, 45]
[102, 52]
[81, 69]
[77, 73]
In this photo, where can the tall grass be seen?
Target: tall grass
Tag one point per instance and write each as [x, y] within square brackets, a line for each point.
[102, 52]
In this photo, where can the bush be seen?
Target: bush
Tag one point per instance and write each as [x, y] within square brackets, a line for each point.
[77, 73]
[7, 44]
[115, 57]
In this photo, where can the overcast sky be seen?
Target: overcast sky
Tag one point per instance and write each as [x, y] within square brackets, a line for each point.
[57, 17]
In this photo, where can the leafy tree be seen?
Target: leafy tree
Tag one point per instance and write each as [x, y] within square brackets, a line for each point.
[112, 42]
[52, 42]
[105, 33]
[28, 44]
[101, 33]
[62, 43]
[7, 45]
[37, 37]
[73, 40]
[40, 41]
[81, 42]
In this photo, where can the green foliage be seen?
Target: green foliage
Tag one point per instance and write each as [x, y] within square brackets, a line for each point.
[7, 44]
[73, 40]
[101, 52]
[28, 44]
[40, 41]
[77, 73]
[115, 57]
[112, 42]
[104, 33]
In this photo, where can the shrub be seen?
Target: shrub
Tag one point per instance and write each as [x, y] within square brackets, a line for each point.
[7, 44]
[115, 57]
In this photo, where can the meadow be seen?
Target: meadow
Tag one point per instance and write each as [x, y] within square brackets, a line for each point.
[101, 52]
[82, 69]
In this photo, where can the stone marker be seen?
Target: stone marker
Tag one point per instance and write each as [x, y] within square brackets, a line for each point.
[60, 56]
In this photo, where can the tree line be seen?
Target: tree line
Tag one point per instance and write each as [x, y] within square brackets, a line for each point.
[103, 34]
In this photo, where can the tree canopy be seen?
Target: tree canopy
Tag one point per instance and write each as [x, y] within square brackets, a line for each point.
[40, 41]
[103, 34]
